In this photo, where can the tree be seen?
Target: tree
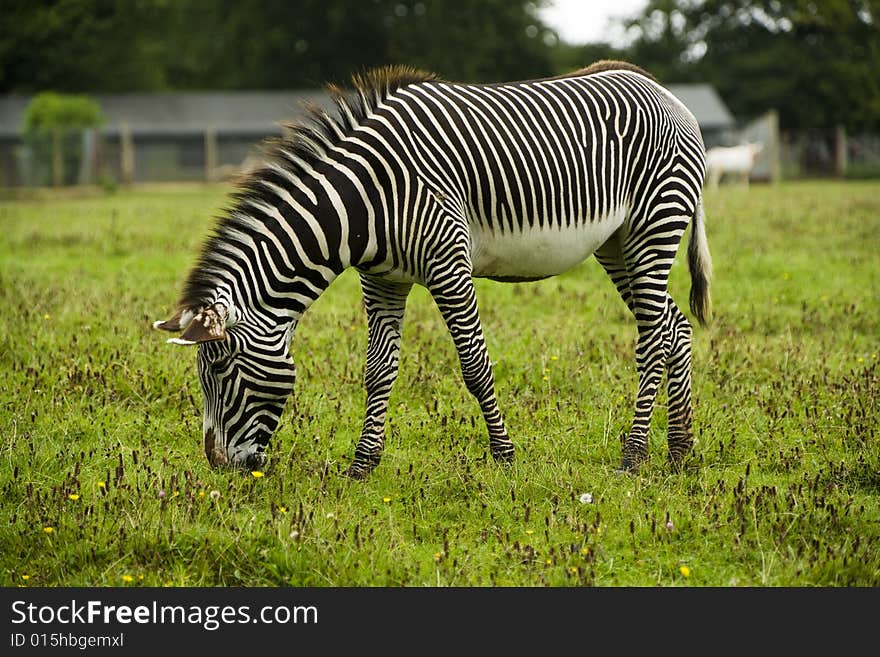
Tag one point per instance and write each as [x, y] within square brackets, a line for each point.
[53, 126]
[149, 45]
[79, 45]
[817, 63]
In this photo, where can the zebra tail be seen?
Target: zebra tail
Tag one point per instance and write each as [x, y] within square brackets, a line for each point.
[700, 265]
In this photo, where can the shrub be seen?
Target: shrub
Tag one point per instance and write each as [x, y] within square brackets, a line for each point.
[56, 121]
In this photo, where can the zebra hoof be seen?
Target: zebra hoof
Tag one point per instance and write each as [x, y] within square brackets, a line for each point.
[357, 471]
[629, 466]
[360, 468]
[503, 454]
[677, 463]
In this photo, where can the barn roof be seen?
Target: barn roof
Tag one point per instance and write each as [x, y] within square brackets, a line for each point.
[182, 113]
[257, 113]
[705, 104]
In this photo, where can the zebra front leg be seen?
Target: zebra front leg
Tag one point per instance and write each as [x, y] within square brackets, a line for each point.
[456, 299]
[678, 377]
[385, 303]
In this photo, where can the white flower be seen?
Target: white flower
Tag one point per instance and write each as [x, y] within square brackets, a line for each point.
[587, 498]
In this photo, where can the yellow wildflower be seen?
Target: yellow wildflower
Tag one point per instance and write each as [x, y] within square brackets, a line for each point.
[127, 578]
[685, 571]
[256, 474]
[101, 484]
[554, 357]
[25, 577]
[386, 499]
[48, 530]
[73, 496]
[282, 509]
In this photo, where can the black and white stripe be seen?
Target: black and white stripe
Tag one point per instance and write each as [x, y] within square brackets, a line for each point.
[417, 180]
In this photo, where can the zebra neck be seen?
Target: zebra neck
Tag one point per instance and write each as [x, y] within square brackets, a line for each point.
[284, 242]
[269, 272]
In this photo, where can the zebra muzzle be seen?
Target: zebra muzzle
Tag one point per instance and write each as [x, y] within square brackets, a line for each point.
[216, 455]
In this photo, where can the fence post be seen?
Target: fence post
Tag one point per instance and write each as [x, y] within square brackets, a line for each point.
[840, 151]
[775, 152]
[126, 154]
[87, 163]
[210, 153]
[57, 158]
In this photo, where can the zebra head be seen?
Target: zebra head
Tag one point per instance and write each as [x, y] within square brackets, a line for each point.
[246, 377]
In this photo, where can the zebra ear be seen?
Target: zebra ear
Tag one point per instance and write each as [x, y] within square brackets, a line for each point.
[198, 324]
[178, 322]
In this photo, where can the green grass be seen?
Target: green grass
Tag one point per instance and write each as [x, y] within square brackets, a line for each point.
[784, 489]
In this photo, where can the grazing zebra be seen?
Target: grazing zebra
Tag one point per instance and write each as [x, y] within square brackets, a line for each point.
[419, 180]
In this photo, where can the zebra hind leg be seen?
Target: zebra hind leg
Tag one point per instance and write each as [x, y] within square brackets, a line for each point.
[678, 372]
[648, 262]
[651, 354]
[385, 303]
[456, 299]
[651, 334]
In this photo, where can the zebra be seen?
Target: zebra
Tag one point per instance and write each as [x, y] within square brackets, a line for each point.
[412, 179]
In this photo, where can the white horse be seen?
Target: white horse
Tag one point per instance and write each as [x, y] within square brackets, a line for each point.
[736, 161]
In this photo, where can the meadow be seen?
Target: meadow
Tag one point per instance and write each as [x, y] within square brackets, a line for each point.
[103, 481]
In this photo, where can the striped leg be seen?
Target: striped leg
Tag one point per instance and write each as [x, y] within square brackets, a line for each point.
[456, 299]
[678, 368]
[610, 256]
[640, 271]
[384, 303]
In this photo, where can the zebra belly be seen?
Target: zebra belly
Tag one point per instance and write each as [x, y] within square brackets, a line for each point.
[538, 252]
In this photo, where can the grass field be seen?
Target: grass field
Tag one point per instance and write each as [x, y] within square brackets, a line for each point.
[104, 482]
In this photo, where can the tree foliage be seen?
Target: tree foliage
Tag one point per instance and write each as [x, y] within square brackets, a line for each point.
[52, 125]
[79, 45]
[49, 110]
[148, 45]
[817, 63]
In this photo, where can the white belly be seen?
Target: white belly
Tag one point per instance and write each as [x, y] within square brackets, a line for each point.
[538, 252]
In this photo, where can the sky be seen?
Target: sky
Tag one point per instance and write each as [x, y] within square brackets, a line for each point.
[582, 21]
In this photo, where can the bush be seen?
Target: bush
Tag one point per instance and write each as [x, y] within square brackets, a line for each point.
[57, 121]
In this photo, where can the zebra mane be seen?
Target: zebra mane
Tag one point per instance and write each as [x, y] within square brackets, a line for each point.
[602, 65]
[307, 141]
[303, 145]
